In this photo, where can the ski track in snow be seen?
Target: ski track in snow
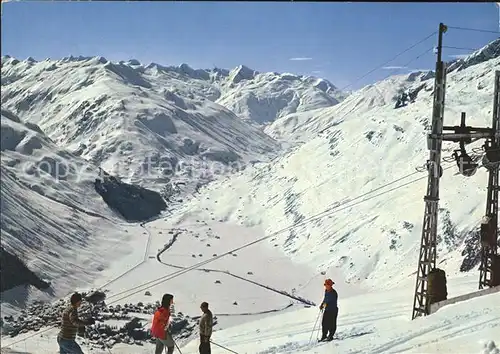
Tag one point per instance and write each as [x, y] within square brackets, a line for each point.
[179, 232]
[171, 243]
[146, 252]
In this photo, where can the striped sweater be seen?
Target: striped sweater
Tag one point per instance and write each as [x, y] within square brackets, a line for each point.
[70, 323]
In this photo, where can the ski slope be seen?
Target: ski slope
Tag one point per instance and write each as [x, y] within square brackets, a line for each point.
[368, 323]
[375, 323]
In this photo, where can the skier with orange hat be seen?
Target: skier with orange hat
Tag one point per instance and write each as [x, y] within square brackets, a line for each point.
[330, 311]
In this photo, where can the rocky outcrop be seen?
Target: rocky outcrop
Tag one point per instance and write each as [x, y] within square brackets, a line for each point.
[132, 202]
[471, 252]
[18, 273]
[130, 321]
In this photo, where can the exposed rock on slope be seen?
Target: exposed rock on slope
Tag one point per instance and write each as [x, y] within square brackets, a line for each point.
[114, 325]
[14, 272]
[134, 203]
[51, 216]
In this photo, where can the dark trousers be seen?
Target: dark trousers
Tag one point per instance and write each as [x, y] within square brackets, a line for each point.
[329, 323]
[205, 348]
[68, 346]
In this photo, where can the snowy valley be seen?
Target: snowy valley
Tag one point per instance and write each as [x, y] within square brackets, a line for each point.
[122, 176]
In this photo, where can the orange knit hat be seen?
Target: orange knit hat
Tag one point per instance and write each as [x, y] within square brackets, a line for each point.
[329, 282]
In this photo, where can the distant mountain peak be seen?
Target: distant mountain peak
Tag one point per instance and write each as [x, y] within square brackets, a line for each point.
[240, 73]
[489, 51]
[133, 62]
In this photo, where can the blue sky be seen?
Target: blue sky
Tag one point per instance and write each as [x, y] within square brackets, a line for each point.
[338, 41]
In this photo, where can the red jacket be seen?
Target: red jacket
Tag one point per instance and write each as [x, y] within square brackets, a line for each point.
[160, 321]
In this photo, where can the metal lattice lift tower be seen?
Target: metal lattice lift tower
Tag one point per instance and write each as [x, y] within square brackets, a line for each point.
[427, 257]
[490, 260]
[489, 228]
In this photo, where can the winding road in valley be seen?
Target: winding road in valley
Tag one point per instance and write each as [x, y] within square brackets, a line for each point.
[177, 232]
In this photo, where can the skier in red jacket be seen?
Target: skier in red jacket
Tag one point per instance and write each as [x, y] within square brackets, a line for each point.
[161, 323]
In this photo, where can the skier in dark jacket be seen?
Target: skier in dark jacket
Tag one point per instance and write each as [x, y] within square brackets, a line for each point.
[330, 311]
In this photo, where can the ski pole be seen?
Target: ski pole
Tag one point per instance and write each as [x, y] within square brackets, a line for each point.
[313, 330]
[315, 323]
[223, 347]
[175, 343]
[317, 332]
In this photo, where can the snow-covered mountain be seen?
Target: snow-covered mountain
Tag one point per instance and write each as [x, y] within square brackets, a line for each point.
[371, 98]
[489, 51]
[265, 97]
[142, 122]
[351, 148]
[156, 126]
[138, 123]
[90, 112]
